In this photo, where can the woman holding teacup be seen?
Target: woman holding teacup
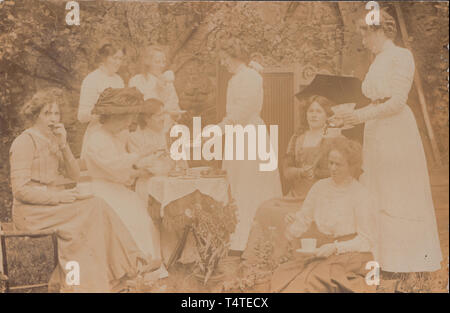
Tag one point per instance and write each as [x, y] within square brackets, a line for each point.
[337, 213]
[38, 158]
[395, 167]
[155, 82]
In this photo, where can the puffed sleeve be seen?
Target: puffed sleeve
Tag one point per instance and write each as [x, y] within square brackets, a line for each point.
[115, 167]
[88, 98]
[365, 225]
[21, 158]
[246, 98]
[305, 216]
[402, 77]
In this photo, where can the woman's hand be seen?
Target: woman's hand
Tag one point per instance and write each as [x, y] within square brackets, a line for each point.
[326, 250]
[67, 196]
[290, 218]
[140, 173]
[350, 119]
[308, 171]
[60, 133]
[336, 121]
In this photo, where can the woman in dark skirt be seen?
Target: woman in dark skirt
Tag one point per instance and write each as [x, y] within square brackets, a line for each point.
[337, 213]
[303, 165]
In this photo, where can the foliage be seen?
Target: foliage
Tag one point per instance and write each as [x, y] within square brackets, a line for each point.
[38, 49]
[259, 269]
[30, 261]
[212, 226]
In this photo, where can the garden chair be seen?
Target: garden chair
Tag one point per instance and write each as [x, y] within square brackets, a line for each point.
[7, 230]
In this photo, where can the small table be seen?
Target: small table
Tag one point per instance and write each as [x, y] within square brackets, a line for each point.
[166, 189]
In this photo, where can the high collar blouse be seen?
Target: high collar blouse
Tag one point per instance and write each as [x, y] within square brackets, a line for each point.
[153, 87]
[338, 211]
[390, 76]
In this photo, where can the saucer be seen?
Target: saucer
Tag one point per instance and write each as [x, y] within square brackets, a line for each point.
[306, 252]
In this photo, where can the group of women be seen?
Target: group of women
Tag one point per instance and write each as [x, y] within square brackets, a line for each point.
[386, 214]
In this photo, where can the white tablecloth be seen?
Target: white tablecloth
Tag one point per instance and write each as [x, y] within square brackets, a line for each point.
[167, 189]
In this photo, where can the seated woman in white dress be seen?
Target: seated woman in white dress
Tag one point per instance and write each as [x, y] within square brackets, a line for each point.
[109, 58]
[155, 83]
[89, 231]
[337, 212]
[113, 169]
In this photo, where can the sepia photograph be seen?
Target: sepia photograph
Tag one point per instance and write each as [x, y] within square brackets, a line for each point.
[224, 147]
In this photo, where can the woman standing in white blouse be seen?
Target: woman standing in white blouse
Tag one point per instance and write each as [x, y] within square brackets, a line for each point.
[395, 168]
[156, 83]
[250, 187]
[105, 76]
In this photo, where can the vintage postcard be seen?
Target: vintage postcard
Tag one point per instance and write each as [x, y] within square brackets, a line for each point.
[224, 147]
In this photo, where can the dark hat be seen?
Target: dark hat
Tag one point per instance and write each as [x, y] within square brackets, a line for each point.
[119, 101]
[339, 89]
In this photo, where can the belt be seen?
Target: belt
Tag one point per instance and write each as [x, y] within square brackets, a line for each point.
[382, 100]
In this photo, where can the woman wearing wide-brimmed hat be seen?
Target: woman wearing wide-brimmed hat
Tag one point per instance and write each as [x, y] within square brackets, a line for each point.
[113, 169]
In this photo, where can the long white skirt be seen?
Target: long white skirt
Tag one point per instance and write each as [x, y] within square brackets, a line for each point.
[395, 172]
[133, 213]
[250, 187]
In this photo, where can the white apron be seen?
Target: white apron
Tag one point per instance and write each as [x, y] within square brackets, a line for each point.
[250, 187]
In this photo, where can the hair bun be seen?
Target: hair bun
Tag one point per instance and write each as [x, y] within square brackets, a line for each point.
[256, 66]
[168, 76]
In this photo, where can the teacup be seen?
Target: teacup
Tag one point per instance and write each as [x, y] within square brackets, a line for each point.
[308, 244]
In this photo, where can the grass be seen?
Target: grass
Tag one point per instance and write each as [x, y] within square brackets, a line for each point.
[31, 261]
